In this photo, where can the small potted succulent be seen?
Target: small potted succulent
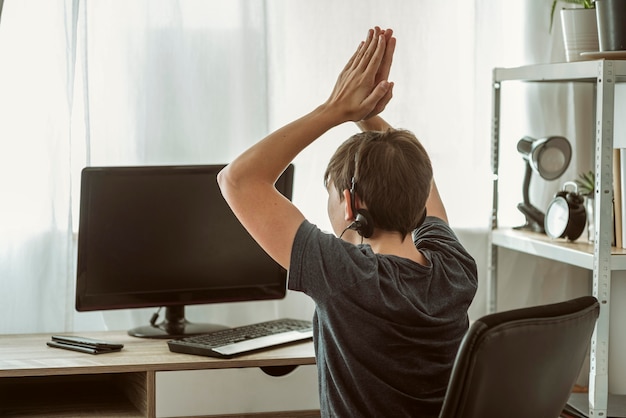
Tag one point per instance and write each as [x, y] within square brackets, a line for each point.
[586, 183]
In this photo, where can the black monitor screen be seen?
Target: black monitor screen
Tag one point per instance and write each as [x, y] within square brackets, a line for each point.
[164, 236]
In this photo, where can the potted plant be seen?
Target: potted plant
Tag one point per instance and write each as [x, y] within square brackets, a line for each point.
[580, 29]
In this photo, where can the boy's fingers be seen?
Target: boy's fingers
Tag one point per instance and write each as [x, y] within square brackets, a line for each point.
[353, 59]
[362, 50]
[371, 47]
[385, 66]
[382, 103]
[373, 64]
[378, 98]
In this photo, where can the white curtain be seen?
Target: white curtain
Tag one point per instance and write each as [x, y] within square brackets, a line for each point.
[192, 81]
[113, 83]
[36, 261]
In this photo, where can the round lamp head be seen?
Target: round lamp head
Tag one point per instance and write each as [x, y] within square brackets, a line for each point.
[549, 156]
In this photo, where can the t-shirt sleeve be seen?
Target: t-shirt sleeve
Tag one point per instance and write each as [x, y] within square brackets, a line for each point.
[295, 264]
[436, 239]
[312, 253]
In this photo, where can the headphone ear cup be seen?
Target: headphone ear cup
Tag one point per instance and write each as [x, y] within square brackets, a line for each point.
[364, 224]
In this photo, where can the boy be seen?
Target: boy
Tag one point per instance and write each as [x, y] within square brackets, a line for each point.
[393, 287]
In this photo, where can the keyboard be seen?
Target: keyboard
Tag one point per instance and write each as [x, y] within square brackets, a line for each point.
[232, 342]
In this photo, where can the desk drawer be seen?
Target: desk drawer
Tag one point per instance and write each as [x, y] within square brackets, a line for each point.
[235, 391]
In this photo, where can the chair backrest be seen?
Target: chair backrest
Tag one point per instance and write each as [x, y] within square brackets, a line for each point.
[522, 362]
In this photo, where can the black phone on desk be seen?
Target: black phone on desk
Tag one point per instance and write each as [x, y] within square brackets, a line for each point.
[84, 344]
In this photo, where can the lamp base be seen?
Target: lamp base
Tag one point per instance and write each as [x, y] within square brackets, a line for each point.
[530, 226]
[534, 218]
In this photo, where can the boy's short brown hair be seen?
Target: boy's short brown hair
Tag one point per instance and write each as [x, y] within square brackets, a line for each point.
[393, 180]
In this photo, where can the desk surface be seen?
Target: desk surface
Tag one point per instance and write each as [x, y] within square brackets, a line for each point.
[28, 355]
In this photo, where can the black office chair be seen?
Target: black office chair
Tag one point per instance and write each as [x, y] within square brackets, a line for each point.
[521, 363]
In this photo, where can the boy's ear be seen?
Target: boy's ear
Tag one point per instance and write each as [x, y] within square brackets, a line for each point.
[347, 205]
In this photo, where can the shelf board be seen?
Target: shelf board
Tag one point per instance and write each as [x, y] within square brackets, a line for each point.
[577, 253]
[559, 72]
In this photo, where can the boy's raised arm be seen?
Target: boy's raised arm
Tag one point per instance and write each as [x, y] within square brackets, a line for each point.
[247, 183]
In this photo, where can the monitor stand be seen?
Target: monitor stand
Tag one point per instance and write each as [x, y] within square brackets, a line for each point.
[174, 326]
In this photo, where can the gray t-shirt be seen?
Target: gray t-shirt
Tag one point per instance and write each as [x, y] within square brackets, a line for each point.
[386, 329]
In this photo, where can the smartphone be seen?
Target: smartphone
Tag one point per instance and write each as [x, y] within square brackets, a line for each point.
[84, 344]
[87, 342]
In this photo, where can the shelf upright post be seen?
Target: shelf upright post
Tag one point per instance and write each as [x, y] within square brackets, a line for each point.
[599, 357]
[492, 289]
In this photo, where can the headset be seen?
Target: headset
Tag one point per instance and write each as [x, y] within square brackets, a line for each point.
[363, 223]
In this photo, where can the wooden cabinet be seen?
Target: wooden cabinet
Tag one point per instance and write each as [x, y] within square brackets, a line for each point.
[145, 379]
[600, 257]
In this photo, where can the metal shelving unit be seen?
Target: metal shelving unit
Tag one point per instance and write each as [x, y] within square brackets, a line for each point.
[598, 257]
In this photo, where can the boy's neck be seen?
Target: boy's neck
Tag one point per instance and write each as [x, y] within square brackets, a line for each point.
[391, 243]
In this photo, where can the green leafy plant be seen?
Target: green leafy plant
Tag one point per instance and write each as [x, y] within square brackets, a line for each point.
[586, 183]
[587, 4]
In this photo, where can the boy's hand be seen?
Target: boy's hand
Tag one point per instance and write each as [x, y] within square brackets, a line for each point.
[362, 89]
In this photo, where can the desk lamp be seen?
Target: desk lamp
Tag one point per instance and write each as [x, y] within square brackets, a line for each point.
[549, 157]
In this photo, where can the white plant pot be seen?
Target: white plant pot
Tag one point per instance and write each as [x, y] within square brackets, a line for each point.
[580, 32]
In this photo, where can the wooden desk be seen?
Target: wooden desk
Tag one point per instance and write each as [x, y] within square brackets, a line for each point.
[38, 380]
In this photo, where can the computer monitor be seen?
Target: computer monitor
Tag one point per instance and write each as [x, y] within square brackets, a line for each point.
[163, 236]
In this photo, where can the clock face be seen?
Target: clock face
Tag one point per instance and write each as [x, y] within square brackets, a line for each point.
[557, 217]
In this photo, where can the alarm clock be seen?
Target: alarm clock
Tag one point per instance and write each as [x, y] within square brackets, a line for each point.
[566, 215]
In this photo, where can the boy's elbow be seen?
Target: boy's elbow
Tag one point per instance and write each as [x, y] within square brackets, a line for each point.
[232, 186]
[238, 187]
[225, 182]
[221, 179]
